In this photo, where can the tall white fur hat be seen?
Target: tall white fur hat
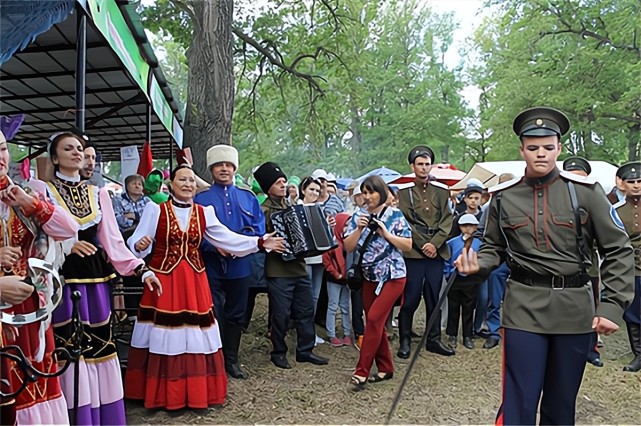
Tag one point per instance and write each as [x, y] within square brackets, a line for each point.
[222, 153]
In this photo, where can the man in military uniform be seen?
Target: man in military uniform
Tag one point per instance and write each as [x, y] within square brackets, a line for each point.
[288, 285]
[425, 206]
[629, 210]
[548, 312]
[229, 276]
[616, 194]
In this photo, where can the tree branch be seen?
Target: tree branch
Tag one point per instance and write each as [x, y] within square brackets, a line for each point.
[276, 59]
[584, 32]
[180, 4]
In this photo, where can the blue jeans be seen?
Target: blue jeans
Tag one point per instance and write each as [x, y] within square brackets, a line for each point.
[338, 296]
[315, 274]
[496, 283]
[481, 306]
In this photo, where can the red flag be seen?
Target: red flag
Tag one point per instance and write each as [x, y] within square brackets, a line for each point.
[183, 156]
[146, 160]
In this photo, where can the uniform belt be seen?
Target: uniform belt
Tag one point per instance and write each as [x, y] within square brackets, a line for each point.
[556, 282]
[430, 232]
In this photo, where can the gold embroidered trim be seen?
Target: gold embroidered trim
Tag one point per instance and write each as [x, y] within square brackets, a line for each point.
[78, 199]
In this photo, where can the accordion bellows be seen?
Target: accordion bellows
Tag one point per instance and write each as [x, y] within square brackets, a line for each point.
[305, 231]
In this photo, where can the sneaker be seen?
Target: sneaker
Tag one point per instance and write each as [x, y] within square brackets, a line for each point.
[319, 341]
[336, 342]
[359, 342]
[599, 342]
[347, 341]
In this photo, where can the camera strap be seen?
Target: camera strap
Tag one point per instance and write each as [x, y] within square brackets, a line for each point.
[368, 239]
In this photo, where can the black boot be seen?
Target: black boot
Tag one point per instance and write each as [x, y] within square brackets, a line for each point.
[634, 334]
[434, 343]
[404, 332]
[231, 343]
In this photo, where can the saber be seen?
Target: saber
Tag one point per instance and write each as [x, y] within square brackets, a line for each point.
[428, 327]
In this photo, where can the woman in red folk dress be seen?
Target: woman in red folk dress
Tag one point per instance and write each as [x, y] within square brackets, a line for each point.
[175, 360]
[28, 222]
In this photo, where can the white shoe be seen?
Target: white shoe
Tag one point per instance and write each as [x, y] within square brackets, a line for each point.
[319, 341]
[599, 342]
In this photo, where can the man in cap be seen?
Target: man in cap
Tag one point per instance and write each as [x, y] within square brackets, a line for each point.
[426, 207]
[229, 276]
[629, 210]
[577, 165]
[331, 204]
[495, 286]
[288, 285]
[617, 193]
[581, 167]
[548, 312]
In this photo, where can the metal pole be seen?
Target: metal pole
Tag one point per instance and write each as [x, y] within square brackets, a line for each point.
[148, 125]
[81, 71]
[171, 154]
[81, 68]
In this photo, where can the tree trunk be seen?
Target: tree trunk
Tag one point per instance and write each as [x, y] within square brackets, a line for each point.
[210, 103]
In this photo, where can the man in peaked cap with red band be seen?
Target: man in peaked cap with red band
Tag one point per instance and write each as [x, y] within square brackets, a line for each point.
[548, 310]
[426, 207]
[629, 210]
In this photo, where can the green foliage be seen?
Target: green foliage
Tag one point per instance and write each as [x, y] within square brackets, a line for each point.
[581, 57]
[388, 91]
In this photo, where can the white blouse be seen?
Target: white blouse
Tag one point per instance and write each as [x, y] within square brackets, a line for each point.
[215, 232]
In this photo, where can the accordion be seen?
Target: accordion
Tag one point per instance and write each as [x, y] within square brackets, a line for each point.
[305, 231]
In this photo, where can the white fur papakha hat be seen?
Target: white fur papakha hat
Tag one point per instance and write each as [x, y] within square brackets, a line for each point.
[222, 153]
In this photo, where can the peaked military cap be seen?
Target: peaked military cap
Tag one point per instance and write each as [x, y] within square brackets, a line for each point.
[577, 163]
[630, 171]
[420, 151]
[540, 122]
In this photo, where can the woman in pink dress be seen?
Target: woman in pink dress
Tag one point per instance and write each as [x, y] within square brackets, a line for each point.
[89, 268]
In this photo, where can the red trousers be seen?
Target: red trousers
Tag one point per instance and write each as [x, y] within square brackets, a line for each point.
[375, 345]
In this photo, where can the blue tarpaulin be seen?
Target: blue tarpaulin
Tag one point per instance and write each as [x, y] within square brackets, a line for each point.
[21, 21]
[388, 175]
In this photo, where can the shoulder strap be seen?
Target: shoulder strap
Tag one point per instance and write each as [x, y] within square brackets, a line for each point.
[580, 238]
[368, 239]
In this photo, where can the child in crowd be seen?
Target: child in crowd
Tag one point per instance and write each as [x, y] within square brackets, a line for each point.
[337, 292]
[472, 200]
[463, 295]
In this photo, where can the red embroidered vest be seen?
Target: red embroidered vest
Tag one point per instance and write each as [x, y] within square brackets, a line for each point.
[172, 244]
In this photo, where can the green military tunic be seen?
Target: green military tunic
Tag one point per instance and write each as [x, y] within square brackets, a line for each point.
[629, 210]
[275, 266]
[537, 231]
[426, 208]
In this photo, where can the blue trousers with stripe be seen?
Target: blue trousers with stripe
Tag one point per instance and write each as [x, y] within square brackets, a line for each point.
[633, 312]
[541, 367]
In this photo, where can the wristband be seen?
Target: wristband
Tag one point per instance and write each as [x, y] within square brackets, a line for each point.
[261, 244]
[141, 270]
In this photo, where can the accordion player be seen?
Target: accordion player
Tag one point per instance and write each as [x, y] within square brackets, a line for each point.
[304, 229]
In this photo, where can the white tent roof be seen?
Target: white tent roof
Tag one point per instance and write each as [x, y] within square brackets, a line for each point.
[488, 172]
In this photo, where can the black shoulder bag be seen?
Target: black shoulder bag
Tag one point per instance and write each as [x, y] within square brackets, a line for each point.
[355, 273]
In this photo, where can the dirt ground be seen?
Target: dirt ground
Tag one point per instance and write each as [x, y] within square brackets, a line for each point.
[463, 389]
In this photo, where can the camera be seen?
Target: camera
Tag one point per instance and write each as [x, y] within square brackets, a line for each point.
[372, 225]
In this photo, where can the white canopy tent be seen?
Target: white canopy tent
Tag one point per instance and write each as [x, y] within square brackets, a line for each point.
[489, 172]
